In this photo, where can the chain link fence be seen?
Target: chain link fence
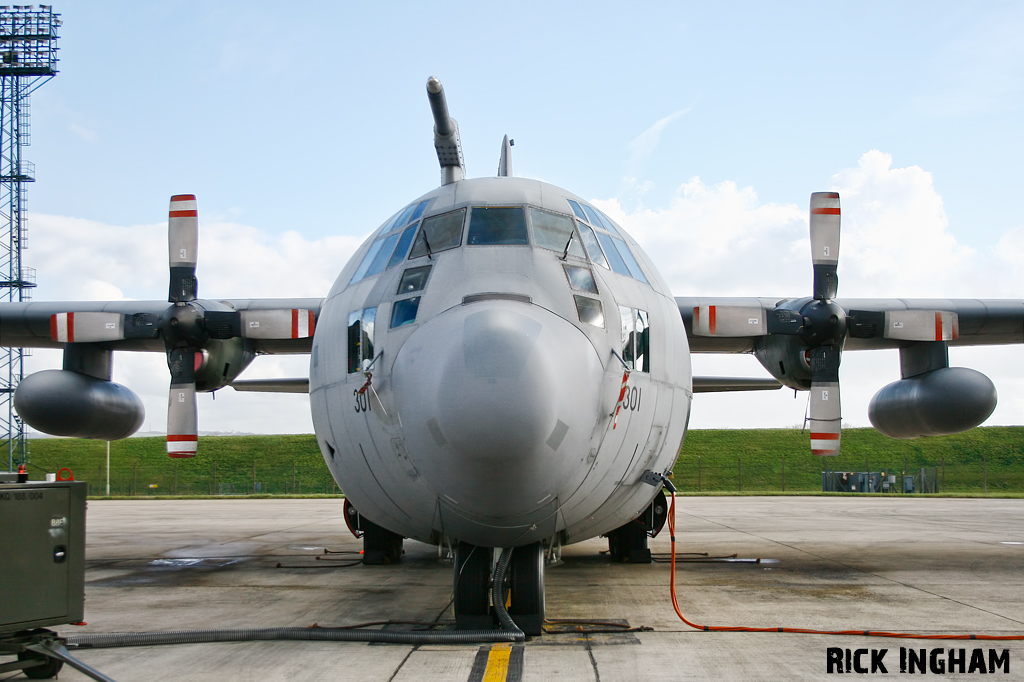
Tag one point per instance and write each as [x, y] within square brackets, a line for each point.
[296, 478]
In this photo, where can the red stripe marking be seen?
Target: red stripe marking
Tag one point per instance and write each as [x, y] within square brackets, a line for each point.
[312, 322]
[187, 437]
[712, 319]
[181, 455]
[53, 327]
[824, 436]
[830, 195]
[825, 211]
[295, 323]
[198, 361]
[938, 326]
[184, 214]
[822, 452]
[183, 197]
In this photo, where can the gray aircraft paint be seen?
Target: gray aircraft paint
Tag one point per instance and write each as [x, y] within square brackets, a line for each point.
[478, 387]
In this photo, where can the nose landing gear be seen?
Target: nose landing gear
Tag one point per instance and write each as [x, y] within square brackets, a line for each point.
[524, 588]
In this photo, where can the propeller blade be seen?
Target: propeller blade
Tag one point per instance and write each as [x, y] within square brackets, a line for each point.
[183, 248]
[825, 243]
[905, 325]
[721, 320]
[86, 327]
[182, 424]
[826, 411]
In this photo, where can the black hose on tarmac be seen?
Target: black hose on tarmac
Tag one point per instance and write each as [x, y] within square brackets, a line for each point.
[126, 639]
[509, 631]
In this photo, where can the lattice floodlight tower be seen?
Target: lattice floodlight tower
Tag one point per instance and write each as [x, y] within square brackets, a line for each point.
[28, 58]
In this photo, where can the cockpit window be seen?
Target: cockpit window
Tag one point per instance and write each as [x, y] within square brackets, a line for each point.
[636, 338]
[499, 226]
[420, 207]
[403, 312]
[577, 209]
[403, 246]
[618, 265]
[553, 231]
[593, 248]
[360, 339]
[383, 255]
[627, 256]
[439, 233]
[413, 279]
[590, 310]
[581, 279]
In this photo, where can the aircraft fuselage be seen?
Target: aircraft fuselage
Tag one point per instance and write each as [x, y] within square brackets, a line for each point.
[488, 328]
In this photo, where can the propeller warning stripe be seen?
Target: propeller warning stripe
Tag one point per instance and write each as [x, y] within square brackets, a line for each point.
[825, 211]
[62, 327]
[184, 214]
[303, 323]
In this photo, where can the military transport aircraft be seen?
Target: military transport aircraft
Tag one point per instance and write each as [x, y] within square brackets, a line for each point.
[501, 366]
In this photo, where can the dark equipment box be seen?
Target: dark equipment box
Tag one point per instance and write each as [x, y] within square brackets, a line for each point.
[42, 554]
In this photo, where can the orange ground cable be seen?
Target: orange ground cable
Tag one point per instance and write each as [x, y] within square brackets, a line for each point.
[804, 631]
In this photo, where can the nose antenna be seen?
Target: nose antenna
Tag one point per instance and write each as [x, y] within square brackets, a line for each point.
[446, 135]
[505, 162]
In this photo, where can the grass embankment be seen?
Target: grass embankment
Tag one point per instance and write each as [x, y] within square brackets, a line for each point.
[711, 461]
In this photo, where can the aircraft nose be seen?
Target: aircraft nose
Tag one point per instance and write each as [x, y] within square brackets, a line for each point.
[498, 403]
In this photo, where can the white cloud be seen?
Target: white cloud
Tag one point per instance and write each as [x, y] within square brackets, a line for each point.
[721, 240]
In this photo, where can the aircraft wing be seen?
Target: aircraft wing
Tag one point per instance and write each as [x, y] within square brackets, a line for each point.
[979, 322]
[32, 324]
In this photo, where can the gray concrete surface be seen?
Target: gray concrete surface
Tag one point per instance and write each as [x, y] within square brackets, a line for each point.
[909, 565]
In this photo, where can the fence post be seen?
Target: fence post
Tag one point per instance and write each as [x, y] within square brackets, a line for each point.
[943, 473]
[213, 488]
[254, 477]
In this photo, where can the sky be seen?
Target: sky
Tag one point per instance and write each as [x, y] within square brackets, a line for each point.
[702, 128]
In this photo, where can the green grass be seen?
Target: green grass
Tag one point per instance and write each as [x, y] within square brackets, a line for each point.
[733, 460]
[711, 461]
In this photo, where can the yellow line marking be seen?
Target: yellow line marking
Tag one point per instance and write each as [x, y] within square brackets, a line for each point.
[497, 663]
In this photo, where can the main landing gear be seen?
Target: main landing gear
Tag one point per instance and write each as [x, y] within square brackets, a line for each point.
[628, 543]
[524, 588]
[380, 546]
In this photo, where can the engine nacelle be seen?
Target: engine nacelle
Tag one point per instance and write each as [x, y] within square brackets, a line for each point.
[63, 403]
[936, 403]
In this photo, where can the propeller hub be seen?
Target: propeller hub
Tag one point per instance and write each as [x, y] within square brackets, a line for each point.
[824, 324]
[182, 326]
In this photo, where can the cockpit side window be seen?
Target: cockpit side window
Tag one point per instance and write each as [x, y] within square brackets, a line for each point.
[439, 233]
[497, 226]
[636, 338]
[360, 339]
[554, 231]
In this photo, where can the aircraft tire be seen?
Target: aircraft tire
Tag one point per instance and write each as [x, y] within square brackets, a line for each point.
[526, 585]
[472, 582]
